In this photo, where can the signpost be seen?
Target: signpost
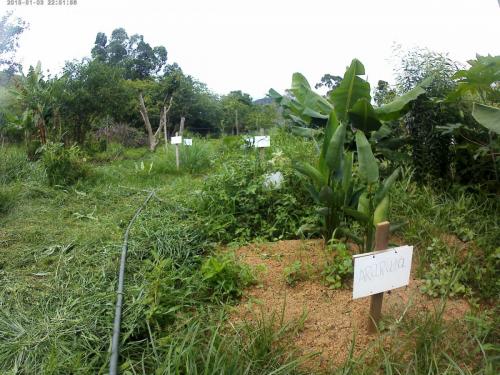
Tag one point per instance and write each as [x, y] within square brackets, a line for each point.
[188, 142]
[262, 141]
[380, 271]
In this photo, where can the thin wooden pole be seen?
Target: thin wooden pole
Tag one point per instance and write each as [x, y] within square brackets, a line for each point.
[381, 243]
[177, 152]
[262, 150]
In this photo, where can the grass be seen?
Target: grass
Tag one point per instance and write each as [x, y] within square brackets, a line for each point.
[59, 254]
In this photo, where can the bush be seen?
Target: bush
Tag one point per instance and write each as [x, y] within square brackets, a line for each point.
[339, 266]
[225, 276]
[238, 206]
[64, 166]
[123, 134]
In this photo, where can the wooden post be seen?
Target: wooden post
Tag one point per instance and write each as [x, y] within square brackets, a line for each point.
[237, 124]
[381, 243]
[177, 152]
[262, 150]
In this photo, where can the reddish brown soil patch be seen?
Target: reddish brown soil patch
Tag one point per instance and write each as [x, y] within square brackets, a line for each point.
[332, 316]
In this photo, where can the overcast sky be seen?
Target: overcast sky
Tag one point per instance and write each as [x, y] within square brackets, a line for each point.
[257, 44]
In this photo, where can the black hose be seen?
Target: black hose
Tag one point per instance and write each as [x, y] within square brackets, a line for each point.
[115, 343]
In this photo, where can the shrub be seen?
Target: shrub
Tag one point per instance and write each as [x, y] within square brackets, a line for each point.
[338, 268]
[225, 276]
[123, 134]
[64, 166]
[294, 273]
[238, 206]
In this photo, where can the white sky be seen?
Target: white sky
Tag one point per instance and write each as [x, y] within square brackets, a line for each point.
[258, 44]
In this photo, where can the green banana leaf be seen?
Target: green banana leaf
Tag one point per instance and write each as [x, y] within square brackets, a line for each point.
[350, 89]
[347, 171]
[326, 195]
[330, 128]
[368, 167]
[382, 211]
[311, 172]
[487, 116]
[363, 116]
[396, 108]
[386, 186]
[335, 150]
[359, 216]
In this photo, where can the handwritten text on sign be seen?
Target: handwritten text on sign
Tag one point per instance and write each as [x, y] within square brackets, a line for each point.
[380, 271]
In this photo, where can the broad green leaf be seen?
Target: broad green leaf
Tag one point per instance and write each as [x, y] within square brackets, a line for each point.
[311, 172]
[368, 167]
[350, 89]
[312, 113]
[331, 126]
[300, 86]
[363, 117]
[335, 150]
[326, 195]
[304, 132]
[364, 204]
[386, 186]
[487, 116]
[396, 108]
[382, 211]
[347, 171]
[273, 94]
[359, 216]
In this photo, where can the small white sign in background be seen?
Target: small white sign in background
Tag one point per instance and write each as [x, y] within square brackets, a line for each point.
[176, 140]
[262, 141]
[380, 271]
[188, 141]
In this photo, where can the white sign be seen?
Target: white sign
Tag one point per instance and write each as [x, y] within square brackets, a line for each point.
[380, 271]
[188, 141]
[176, 140]
[262, 141]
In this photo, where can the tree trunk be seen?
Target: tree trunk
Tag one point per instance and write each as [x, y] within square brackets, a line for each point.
[236, 122]
[181, 129]
[147, 123]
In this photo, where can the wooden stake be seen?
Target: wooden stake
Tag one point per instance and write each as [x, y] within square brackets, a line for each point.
[381, 243]
[262, 150]
[165, 130]
[177, 152]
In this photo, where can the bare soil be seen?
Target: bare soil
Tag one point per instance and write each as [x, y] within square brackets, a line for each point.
[333, 317]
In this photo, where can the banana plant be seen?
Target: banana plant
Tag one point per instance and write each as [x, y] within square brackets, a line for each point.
[331, 183]
[373, 204]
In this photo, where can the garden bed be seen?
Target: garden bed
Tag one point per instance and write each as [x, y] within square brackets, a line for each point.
[333, 318]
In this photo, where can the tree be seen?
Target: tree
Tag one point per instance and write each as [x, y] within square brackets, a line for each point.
[10, 31]
[235, 107]
[430, 149]
[138, 59]
[329, 81]
[32, 93]
[90, 91]
[384, 93]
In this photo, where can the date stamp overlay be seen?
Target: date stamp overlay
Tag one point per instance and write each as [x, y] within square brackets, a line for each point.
[24, 3]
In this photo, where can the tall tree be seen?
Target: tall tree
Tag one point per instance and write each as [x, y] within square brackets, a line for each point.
[10, 30]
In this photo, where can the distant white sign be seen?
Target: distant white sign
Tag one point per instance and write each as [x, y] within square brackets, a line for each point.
[262, 141]
[188, 141]
[176, 140]
[380, 271]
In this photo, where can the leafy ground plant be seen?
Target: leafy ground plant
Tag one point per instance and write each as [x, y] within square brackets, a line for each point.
[338, 268]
